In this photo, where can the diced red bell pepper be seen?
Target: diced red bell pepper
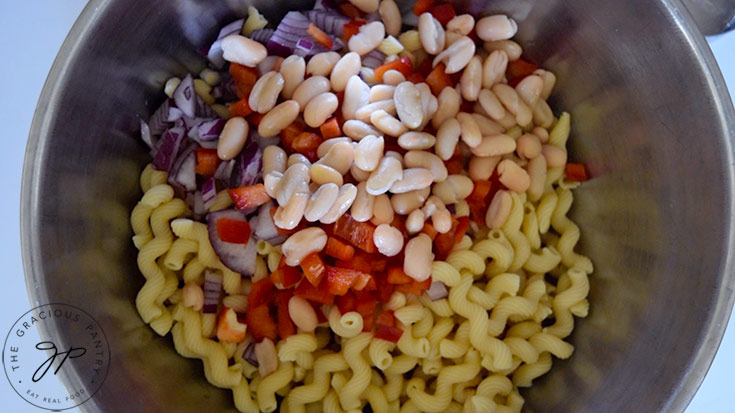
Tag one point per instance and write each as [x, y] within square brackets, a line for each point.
[260, 323]
[396, 275]
[386, 318]
[385, 289]
[289, 134]
[480, 191]
[286, 328]
[402, 65]
[306, 144]
[229, 328]
[249, 197]
[443, 243]
[443, 12]
[320, 316]
[255, 118]
[233, 230]
[576, 172]
[438, 79]
[416, 287]
[363, 282]
[240, 108]
[422, 6]
[360, 262]
[317, 294]
[261, 293]
[359, 234]
[313, 268]
[346, 303]
[415, 78]
[286, 276]
[454, 165]
[330, 129]
[463, 224]
[520, 68]
[244, 78]
[429, 230]
[207, 161]
[338, 249]
[320, 37]
[350, 10]
[392, 334]
[339, 280]
[352, 28]
[366, 303]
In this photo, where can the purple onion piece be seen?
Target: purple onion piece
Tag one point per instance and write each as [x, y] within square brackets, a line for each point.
[263, 226]
[183, 174]
[437, 291]
[215, 50]
[145, 136]
[174, 114]
[199, 209]
[373, 59]
[224, 170]
[262, 35]
[249, 355]
[185, 96]
[289, 32]
[212, 291]
[158, 122]
[330, 21]
[452, 209]
[248, 166]
[209, 129]
[237, 257]
[209, 192]
[168, 148]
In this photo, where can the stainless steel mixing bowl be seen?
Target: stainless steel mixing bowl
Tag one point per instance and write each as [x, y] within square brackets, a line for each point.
[651, 118]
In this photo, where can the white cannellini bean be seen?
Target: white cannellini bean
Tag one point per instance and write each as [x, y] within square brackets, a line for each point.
[192, 295]
[529, 89]
[267, 357]
[381, 92]
[442, 220]
[413, 179]
[471, 80]
[345, 198]
[320, 108]
[415, 221]
[340, 157]
[289, 215]
[491, 104]
[293, 69]
[403, 204]
[346, 67]
[367, 38]
[325, 146]
[555, 157]
[431, 34]
[416, 140]
[457, 55]
[321, 64]
[537, 173]
[542, 114]
[549, 81]
[513, 176]
[368, 152]
[541, 133]
[292, 179]
[528, 146]
[497, 27]
[449, 102]
[429, 103]
[393, 77]
[321, 201]
[363, 114]
[240, 49]
[271, 182]
[511, 48]
[386, 123]
[447, 138]
[302, 243]
[481, 167]
[389, 170]
[382, 210]
[274, 159]
[487, 125]
[302, 314]
[499, 209]
[424, 159]
[494, 68]
[470, 130]
[357, 129]
[462, 24]
[362, 208]
[495, 145]
[297, 158]
[508, 121]
[388, 240]
[391, 16]
[265, 92]
[418, 258]
[313, 86]
[450, 38]
[232, 138]
[357, 95]
[278, 118]
[322, 174]
[408, 104]
[454, 189]
[513, 103]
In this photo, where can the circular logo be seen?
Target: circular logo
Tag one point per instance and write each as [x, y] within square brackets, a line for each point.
[30, 361]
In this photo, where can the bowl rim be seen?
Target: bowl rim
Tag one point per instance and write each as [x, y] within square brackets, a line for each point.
[700, 361]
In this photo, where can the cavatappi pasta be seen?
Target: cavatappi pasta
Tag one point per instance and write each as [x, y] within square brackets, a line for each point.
[468, 283]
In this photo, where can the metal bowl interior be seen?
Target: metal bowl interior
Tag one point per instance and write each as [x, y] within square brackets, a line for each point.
[651, 118]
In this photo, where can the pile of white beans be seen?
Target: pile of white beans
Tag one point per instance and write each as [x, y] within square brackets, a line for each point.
[507, 132]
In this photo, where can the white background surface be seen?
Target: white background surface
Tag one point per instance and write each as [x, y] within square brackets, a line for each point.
[31, 33]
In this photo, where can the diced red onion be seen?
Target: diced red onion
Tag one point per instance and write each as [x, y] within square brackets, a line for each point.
[330, 21]
[373, 59]
[303, 47]
[262, 35]
[267, 65]
[224, 170]
[263, 226]
[248, 166]
[183, 173]
[202, 108]
[168, 149]
[249, 355]
[225, 90]
[209, 130]
[289, 32]
[215, 50]
[185, 96]
[174, 114]
[158, 122]
[145, 135]
[212, 291]
[209, 192]
[237, 257]
[437, 291]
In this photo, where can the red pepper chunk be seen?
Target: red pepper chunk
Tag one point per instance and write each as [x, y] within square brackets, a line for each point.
[244, 78]
[443, 13]
[260, 323]
[392, 334]
[286, 327]
[352, 28]
[338, 249]
[233, 230]
[576, 172]
[359, 234]
[438, 79]
[422, 6]
[229, 328]
[261, 293]
[386, 318]
[402, 65]
[317, 294]
[286, 276]
[366, 303]
[396, 275]
[463, 224]
[339, 280]
[384, 288]
[313, 268]
[330, 129]
[416, 288]
[350, 10]
[249, 197]
[520, 68]
[240, 108]
[306, 144]
[319, 36]
[346, 303]
[207, 161]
